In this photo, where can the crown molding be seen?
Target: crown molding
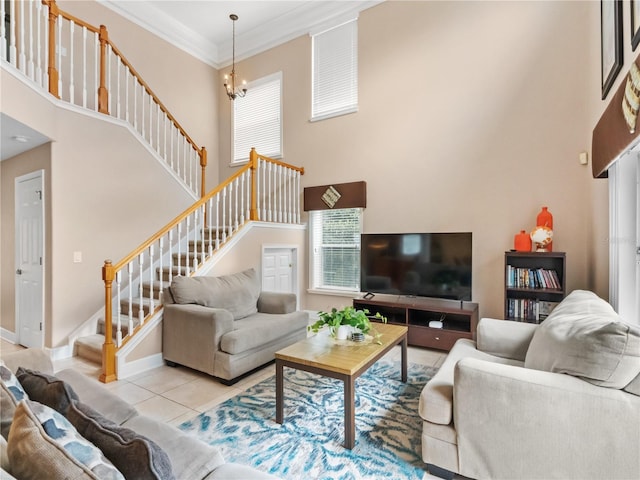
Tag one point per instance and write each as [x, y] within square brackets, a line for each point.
[300, 20]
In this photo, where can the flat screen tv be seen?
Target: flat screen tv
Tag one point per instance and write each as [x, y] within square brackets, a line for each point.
[417, 264]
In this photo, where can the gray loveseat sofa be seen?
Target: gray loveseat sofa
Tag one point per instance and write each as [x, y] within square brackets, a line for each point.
[28, 451]
[555, 400]
[226, 326]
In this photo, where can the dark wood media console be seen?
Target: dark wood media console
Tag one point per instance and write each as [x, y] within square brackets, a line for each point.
[459, 319]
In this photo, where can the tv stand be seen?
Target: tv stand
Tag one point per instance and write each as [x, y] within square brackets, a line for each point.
[459, 318]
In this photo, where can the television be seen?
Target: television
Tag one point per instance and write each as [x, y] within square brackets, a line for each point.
[417, 264]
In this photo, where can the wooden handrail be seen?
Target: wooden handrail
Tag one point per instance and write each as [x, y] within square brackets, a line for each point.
[127, 64]
[109, 270]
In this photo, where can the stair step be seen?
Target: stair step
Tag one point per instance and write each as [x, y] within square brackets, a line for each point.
[90, 347]
[146, 289]
[134, 307]
[175, 272]
[124, 326]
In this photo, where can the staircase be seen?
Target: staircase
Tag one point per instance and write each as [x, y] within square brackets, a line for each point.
[102, 80]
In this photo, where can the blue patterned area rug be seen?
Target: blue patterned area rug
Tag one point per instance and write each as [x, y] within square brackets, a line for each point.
[309, 444]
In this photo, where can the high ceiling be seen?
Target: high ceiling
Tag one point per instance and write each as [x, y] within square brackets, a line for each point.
[203, 28]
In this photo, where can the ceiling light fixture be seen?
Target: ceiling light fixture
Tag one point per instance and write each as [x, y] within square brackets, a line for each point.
[230, 80]
[20, 138]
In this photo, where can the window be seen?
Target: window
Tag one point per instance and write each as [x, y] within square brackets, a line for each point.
[624, 234]
[257, 119]
[335, 249]
[335, 71]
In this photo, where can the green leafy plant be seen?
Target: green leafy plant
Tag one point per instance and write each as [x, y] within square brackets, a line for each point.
[348, 316]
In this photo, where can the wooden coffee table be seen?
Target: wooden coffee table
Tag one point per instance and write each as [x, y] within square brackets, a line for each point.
[341, 359]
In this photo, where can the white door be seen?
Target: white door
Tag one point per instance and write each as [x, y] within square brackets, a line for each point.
[278, 270]
[30, 259]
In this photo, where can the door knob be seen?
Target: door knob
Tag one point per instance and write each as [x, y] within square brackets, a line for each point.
[19, 271]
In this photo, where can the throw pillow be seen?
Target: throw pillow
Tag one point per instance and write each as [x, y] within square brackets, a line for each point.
[585, 337]
[237, 293]
[43, 444]
[11, 392]
[136, 456]
[47, 389]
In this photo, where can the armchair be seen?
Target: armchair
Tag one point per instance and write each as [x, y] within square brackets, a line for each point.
[225, 326]
[556, 400]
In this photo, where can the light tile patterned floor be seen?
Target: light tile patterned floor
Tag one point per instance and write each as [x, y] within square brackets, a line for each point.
[175, 395]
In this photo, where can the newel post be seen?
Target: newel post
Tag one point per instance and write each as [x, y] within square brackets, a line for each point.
[253, 162]
[51, 68]
[108, 348]
[203, 168]
[103, 93]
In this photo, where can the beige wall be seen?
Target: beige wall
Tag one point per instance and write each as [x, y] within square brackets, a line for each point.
[184, 84]
[471, 117]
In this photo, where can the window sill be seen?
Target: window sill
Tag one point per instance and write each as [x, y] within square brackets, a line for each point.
[334, 293]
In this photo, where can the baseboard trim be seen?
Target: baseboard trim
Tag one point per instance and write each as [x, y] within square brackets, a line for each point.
[8, 335]
[60, 353]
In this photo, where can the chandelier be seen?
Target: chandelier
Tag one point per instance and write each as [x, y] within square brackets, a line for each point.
[230, 80]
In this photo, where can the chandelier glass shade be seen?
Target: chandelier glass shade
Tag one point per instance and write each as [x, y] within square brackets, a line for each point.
[230, 80]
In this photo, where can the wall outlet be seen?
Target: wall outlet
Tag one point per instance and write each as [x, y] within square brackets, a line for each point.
[77, 257]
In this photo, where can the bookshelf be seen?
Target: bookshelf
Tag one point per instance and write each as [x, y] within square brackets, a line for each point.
[459, 319]
[534, 284]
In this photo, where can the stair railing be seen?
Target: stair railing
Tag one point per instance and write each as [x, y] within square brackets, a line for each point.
[78, 63]
[263, 190]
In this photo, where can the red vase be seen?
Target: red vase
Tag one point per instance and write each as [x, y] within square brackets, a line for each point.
[522, 242]
[545, 219]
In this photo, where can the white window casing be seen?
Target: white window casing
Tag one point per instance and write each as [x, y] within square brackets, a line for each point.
[257, 120]
[334, 89]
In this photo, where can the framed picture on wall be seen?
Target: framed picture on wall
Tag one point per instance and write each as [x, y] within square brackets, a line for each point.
[635, 23]
[610, 42]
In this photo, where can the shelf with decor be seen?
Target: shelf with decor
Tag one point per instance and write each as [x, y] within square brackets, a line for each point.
[458, 319]
[534, 284]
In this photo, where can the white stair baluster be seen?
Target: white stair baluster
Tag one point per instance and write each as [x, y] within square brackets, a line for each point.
[160, 265]
[71, 60]
[179, 248]
[130, 286]
[135, 101]
[3, 28]
[142, 100]
[247, 212]
[152, 302]
[267, 190]
[298, 197]
[209, 245]
[140, 289]
[158, 110]
[164, 138]
[236, 215]
[217, 222]
[96, 79]
[22, 63]
[203, 215]
[45, 64]
[84, 67]
[38, 43]
[224, 199]
[126, 91]
[186, 257]
[230, 221]
[171, 145]
[118, 310]
[59, 53]
[13, 51]
[109, 89]
[30, 66]
[170, 257]
[242, 187]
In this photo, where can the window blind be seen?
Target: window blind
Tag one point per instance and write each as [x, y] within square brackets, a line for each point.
[335, 248]
[257, 119]
[335, 71]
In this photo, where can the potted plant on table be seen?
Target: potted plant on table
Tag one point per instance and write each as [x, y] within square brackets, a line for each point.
[348, 316]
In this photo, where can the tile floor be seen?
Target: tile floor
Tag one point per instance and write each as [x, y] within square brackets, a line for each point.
[175, 395]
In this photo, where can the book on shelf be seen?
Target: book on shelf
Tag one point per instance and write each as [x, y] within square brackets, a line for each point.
[518, 277]
[529, 310]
